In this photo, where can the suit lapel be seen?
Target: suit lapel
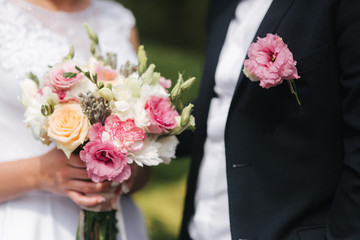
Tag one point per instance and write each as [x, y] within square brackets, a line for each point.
[269, 24]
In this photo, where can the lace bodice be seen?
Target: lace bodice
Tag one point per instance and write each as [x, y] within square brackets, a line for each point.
[31, 38]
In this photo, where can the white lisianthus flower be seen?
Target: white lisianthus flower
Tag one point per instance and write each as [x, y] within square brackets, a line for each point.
[90, 66]
[168, 148]
[139, 114]
[121, 109]
[48, 94]
[118, 80]
[33, 116]
[121, 92]
[148, 91]
[35, 120]
[29, 90]
[149, 154]
[121, 105]
[135, 84]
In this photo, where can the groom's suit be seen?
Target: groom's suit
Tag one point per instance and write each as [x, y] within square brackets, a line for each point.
[293, 172]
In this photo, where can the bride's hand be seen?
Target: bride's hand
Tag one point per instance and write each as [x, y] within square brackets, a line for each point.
[69, 177]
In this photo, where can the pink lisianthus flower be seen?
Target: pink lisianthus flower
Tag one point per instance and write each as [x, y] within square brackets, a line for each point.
[165, 83]
[95, 131]
[63, 98]
[105, 162]
[161, 114]
[125, 135]
[270, 62]
[105, 73]
[58, 81]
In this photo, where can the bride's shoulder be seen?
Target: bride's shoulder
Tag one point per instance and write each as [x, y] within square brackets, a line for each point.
[114, 12]
[113, 8]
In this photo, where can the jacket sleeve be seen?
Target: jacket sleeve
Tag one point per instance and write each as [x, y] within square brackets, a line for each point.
[344, 218]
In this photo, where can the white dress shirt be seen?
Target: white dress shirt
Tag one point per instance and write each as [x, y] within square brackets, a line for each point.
[211, 218]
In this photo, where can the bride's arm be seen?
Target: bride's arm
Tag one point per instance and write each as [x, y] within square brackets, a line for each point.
[51, 172]
[134, 38]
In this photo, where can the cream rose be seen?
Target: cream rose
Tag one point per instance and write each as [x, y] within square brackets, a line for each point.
[68, 126]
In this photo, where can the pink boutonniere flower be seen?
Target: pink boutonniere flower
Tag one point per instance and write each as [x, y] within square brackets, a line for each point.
[271, 62]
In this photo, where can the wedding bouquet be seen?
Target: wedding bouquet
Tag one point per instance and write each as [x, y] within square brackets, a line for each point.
[115, 118]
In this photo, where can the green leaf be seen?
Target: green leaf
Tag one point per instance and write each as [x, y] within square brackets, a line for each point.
[87, 74]
[69, 74]
[33, 77]
[78, 68]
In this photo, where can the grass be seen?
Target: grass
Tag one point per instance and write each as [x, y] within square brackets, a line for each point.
[172, 60]
[162, 199]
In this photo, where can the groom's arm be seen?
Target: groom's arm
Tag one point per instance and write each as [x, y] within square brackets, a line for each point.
[344, 219]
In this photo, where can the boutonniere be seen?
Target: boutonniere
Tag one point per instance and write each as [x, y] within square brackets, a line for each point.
[271, 62]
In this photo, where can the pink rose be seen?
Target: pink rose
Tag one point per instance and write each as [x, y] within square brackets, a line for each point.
[161, 114]
[165, 83]
[58, 81]
[68, 126]
[270, 62]
[104, 162]
[105, 73]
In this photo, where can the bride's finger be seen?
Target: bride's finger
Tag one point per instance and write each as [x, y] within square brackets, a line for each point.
[75, 161]
[86, 201]
[87, 187]
[78, 173]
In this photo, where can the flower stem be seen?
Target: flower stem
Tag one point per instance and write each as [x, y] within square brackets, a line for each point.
[293, 90]
[97, 225]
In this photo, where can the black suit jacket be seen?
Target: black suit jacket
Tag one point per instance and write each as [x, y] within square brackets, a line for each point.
[293, 172]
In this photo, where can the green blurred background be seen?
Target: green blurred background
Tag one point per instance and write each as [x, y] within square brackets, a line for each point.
[173, 33]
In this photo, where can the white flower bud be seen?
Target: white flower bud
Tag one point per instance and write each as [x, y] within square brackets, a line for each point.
[142, 58]
[148, 75]
[106, 93]
[188, 83]
[185, 114]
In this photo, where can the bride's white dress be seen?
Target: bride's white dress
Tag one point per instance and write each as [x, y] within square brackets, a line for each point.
[31, 38]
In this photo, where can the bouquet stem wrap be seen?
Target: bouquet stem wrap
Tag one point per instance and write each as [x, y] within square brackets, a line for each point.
[102, 222]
